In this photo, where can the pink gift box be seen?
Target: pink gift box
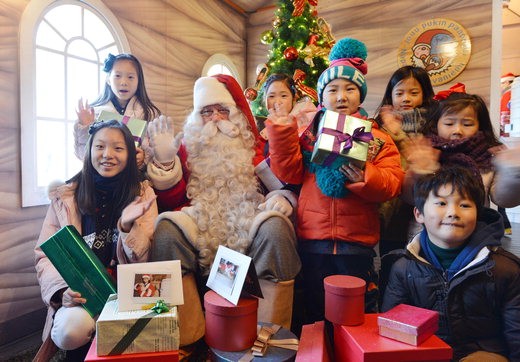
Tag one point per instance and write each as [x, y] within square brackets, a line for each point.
[408, 324]
[364, 343]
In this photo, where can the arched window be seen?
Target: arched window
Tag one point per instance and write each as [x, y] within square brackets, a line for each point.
[62, 48]
[220, 64]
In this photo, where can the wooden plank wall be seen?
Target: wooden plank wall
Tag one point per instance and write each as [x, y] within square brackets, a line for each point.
[381, 25]
[173, 40]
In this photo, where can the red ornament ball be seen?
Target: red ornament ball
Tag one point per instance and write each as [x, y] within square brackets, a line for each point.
[290, 54]
[251, 94]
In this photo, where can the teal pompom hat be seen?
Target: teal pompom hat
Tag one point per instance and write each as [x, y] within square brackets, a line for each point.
[347, 59]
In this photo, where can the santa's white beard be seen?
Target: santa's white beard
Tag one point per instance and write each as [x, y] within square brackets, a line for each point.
[223, 190]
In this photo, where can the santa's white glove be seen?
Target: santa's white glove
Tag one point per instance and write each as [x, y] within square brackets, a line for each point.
[162, 139]
[277, 203]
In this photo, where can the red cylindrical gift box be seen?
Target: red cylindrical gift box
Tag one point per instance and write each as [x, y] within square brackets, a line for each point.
[230, 327]
[344, 299]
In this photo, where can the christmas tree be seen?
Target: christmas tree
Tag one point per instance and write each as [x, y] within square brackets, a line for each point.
[300, 43]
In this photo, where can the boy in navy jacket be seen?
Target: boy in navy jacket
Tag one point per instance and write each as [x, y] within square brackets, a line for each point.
[457, 267]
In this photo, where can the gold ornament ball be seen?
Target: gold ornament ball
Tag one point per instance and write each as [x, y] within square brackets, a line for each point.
[267, 37]
[277, 22]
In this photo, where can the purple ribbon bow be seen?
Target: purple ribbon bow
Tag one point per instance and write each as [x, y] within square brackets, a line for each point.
[359, 134]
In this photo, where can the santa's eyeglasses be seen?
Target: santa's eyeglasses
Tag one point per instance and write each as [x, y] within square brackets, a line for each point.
[208, 111]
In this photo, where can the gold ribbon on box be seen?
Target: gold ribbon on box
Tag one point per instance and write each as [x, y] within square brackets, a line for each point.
[263, 340]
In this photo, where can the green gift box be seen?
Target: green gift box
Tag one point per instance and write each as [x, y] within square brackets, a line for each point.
[341, 140]
[80, 268]
[136, 126]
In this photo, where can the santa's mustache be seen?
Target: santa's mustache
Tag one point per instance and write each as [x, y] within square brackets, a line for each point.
[210, 129]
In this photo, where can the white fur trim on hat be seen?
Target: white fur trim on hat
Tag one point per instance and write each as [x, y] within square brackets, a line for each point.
[208, 91]
[507, 77]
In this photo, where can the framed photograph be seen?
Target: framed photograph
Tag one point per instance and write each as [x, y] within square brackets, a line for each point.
[231, 273]
[142, 284]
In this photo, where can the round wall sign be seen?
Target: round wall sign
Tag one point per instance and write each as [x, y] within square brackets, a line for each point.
[441, 46]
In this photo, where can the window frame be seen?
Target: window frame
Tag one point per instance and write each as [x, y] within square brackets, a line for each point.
[223, 60]
[32, 194]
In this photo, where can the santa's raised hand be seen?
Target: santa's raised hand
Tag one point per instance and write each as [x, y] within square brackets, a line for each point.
[162, 140]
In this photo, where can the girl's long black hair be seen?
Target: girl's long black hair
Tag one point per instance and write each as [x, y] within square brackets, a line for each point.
[417, 73]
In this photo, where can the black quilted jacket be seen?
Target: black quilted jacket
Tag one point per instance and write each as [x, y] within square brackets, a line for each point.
[479, 308]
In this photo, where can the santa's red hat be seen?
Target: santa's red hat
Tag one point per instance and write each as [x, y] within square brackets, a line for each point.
[224, 89]
[507, 77]
[146, 276]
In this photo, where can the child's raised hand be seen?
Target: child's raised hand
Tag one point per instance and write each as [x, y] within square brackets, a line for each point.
[162, 139]
[85, 113]
[420, 156]
[391, 120]
[133, 211]
[71, 298]
[279, 116]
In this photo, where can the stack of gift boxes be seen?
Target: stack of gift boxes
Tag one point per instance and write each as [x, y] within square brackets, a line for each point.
[404, 333]
[140, 335]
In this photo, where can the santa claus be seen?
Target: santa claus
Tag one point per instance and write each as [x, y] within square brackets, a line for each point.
[207, 178]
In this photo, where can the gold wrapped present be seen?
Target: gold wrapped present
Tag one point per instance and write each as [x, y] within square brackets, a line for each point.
[341, 140]
[136, 331]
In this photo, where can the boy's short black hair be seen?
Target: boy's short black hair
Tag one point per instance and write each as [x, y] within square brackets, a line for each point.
[462, 180]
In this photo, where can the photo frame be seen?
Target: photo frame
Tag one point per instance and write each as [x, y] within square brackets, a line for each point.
[142, 284]
[233, 273]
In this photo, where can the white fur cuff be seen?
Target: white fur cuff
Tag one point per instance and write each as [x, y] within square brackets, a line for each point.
[164, 180]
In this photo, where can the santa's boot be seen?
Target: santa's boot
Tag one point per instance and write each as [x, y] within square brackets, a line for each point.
[192, 325]
[277, 305]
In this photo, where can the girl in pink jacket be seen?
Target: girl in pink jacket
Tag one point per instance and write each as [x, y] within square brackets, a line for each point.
[114, 212]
